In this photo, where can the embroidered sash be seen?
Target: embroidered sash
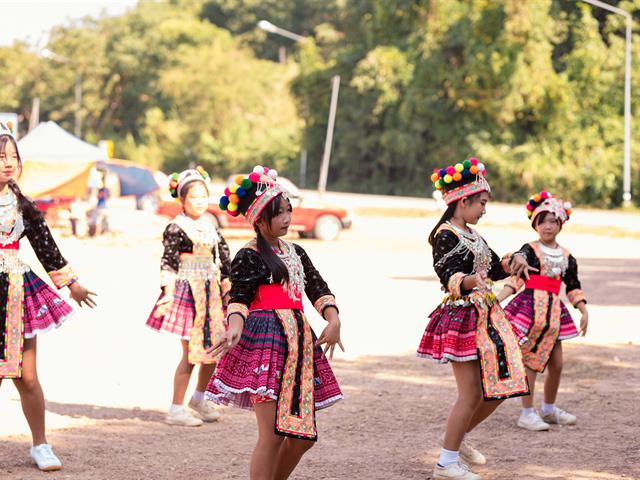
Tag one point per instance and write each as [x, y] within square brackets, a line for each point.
[501, 365]
[544, 332]
[208, 323]
[545, 329]
[295, 413]
[11, 356]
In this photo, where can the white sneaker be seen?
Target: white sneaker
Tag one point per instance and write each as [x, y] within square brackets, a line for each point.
[470, 455]
[182, 418]
[205, 410]
[532, 422]
[560, 417]
[45, 458]
[455, 471]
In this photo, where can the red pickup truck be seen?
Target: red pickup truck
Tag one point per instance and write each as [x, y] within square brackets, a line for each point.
[310, 219]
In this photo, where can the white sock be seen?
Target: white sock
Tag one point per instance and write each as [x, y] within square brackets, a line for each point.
[197, 396]
[527, 411]
[447, 457]
[175, 408]
[548, 408]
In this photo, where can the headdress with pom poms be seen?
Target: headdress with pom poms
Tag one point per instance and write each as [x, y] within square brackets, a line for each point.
[461, 180]
[250, 194]
[177, 181]
[546, 202]
[6, 128]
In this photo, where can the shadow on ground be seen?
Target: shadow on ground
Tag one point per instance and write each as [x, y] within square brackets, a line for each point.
[388, 427]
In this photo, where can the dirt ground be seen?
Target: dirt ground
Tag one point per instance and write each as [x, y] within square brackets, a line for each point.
[387, 427]
[107, 379]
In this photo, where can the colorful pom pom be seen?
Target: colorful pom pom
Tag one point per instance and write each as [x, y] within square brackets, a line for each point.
[536, 198]
[246, 184]
[273, 174]
[254, 177]
[569, 212]
[448, 178]
[442, 172]
[473, 170]
[474, 161]
[241, 192]
[233, 187]
[435, 177]
[466, 164]
[457, 177]
[458, 167]
[481, 168]
[544, 195]
[233, 198]
[567, 206]
[239, 179]
[232, 207]
[258, 169]
[451, 170]
[224, 201]
[466, 173]
[529, 207]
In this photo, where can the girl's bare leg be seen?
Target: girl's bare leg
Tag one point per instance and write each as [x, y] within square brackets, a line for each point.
[30, 391]
[268, 445]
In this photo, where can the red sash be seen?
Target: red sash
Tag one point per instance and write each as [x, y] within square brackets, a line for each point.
[10, 246]
[273, 297]
[540, 282]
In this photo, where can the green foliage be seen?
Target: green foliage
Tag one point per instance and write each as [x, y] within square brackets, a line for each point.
[535, 89]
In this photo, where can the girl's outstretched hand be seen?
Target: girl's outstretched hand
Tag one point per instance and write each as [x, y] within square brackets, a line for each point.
[584, 323]
[330, 337]
[520, 267]
[164, 303]
[82, 295]
[230, 338]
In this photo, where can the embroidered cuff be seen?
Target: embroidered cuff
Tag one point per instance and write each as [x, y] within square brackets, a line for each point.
[576, 296]
[225, 286]
[324, 302]
[240, 308]
[167, 277]
[63, 277]
[515, 282]
[505, 262]
[455, 284]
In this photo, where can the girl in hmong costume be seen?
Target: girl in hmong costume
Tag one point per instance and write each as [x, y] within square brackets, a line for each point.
[28, 306]
[195, 285]
[274, 364]
[539, 313]
[469, 328]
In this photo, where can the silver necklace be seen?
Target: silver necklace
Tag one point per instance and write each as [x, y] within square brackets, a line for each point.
[555, 263]
[473, 243]
[295, 286]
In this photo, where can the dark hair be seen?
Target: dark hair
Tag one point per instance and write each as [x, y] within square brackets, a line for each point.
[276, 266]
[448, 214]
[25, 205]
[540, 218]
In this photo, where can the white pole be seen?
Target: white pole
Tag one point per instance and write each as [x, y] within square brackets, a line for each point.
[626, 196]
[326, 157]
[626, 170]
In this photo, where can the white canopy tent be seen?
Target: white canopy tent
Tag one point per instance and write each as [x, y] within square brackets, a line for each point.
[56, 163]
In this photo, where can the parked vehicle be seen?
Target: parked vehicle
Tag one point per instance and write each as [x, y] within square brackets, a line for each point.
[310, 219]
